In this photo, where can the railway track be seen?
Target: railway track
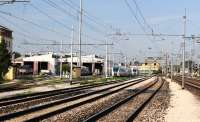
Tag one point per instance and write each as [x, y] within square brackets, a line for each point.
[128, 108]
[88, 109]
[41, 111]
[34, 96]
[190, 82]
[19, 104]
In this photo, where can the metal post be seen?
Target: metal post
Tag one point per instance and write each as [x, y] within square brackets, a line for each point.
[109, 65]
[183, 73]
[193, 55]
[171, 67]
[61, 53]
[125, 62]
[80, 31]
[166, 66]
[106, 61]
[71, 65]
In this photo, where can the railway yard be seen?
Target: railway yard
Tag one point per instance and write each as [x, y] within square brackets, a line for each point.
[138, 99]
[99, 61]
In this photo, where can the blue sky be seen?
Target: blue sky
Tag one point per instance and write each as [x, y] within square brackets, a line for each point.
[164, 16]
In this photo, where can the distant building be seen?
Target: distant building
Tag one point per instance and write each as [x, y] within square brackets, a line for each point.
[93, 62]
[150, 66]
[6, 36]
[42, 62]
[51, 63]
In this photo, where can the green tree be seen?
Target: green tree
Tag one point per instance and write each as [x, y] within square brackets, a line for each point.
[65, 68]
[17, 54]
[5, 59]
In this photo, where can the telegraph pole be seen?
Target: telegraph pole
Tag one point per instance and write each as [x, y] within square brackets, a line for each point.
[183, 64]
[80, 31]
[61, 53]
[193, 54]
[106, 62]
[166, 65]
[171, 66]
[125, 61]
[71, 65]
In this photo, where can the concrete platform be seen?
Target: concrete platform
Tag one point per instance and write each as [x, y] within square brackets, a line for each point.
[184, 106]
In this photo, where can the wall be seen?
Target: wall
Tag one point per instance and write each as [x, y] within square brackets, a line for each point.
[10, 75]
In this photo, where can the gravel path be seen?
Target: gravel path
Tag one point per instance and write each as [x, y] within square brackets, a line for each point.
[184, 106]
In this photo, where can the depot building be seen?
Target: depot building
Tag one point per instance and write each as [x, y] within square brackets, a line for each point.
[50, 62]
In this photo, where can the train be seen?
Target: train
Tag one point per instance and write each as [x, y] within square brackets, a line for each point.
[121, 71]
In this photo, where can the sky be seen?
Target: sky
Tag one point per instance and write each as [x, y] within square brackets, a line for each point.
[51, 21]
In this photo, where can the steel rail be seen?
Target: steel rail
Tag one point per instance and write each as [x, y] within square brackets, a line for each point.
[188, 82]
[34, 96]
[58, 102]
[118, 104]
[135, 113]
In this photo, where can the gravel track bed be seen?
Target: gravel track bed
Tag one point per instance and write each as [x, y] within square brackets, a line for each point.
[57, 107]
[120, 114]
[156, 110]
[83, 112]
[29, 104]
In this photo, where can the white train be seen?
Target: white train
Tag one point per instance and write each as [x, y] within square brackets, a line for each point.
[121, 71]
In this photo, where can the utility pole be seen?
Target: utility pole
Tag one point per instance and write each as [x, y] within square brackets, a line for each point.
[80, 31]
[171, 61]
[71, 65]
[113, 58]
[109, 65]
[166, 65]
[183, 66]
[171, 66]
[193, 54]
[125, 61]
[106, 62]
[61, 53]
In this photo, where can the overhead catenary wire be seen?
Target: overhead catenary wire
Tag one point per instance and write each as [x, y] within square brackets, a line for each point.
[141, 14]
[88, 15]
[24, 32]
[32, 23]
[56, 6]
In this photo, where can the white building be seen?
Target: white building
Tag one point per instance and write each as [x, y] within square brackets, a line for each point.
[42, 62]
[51, 63]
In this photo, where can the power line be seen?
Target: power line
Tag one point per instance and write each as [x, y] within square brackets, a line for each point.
[141, 14]
[134, 15]
[24, 30]
[32, 23]
[92, 44]
[87, 14]
[42, 12]
[56, 6]
[62, 24]
[3, 2]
